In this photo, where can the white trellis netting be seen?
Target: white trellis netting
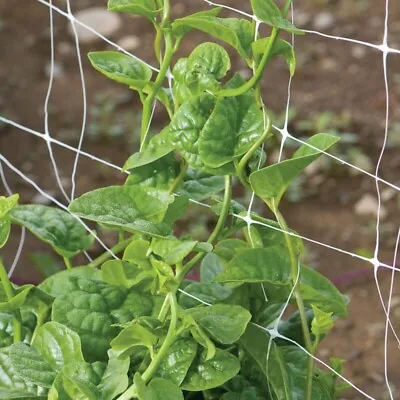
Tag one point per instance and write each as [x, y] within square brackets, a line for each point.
[375, 261]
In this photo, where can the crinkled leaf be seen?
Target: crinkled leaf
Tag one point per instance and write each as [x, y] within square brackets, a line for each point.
[12, 385]
[56, 227]
[204, 375]
[121, 68]
[173, 251]
[159, 174]
[280, 47]
[271, 182]
[198, 185]
[258, 265]
[225, 323]
[177, 361]
[158, 147]
[236, 32]
[90, 308]
[145, 8]
[132, 208]
[5, 228]
[31, 365]
[58, 344]
[268, 12]
[54, 285]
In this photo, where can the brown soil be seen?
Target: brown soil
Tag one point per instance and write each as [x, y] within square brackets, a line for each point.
[331, 76]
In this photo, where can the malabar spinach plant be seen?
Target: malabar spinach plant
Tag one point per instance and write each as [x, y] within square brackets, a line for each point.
[129, 324]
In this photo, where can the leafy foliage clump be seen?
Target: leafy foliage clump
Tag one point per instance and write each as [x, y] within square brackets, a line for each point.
[133, 326]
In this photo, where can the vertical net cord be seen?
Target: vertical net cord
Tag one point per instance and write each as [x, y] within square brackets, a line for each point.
[47, 135]
[84, 99]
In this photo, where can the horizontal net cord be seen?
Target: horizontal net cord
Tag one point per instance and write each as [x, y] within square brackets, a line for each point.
[72, 18]
[61, 144]
[54, 200]
[94, 158]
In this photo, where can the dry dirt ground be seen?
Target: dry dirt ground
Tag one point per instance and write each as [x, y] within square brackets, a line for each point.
[334, 76]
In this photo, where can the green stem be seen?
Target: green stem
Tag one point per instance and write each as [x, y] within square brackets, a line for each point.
[179, 178]
[107, 255]
[299, 301]
[169, 340]
[166, 61]
[258, 72]
[9, 291]
[241, 168]
[67, 262]
[215, 233]
[255, 79]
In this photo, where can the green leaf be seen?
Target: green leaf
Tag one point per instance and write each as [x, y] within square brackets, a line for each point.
[16, 302]
[173, 251]
[12, 385]
[119, 273]
[210, 293]
[132, 208]
[208, 374]
[158, 147]
[258, 265]
[292, 328]
[76, 381]
[91, 308]
[267, 356]
[176, 210]
[181, 29]
[56, 227]
[322, 322]
[5, 228]
[236, 32]
[210, 267]
[132, 337]
[271, 182]
[229, 248]
[208, 59]
[115, 377]
[121, 68]
[145, 8]
[58, 344]
[159, 389]
[7, 204]
[225, 323]
[54, 285]
[268, 12]
[7, 331]
[31, 365]
[280, 47]
[199, 186]
[159, 174]
[177, 361]
[136, 253]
